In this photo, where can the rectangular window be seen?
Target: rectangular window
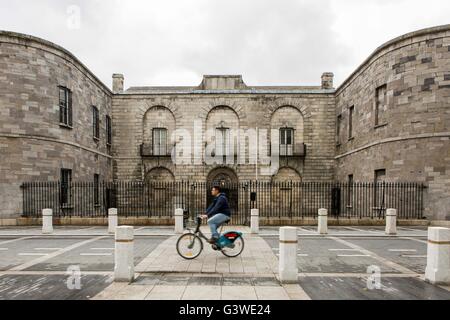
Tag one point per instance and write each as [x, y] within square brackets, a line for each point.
[350, 191]
[159, 142]
[223, 141]
[108, 131]
[351, 112]
[380, 105]
[66, 180]
[338, 129]
[286, 142]
[96, 189]
[95, 123]
[65, 106]
[380, 176]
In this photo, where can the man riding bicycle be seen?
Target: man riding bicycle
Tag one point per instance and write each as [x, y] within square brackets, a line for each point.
[217, 213]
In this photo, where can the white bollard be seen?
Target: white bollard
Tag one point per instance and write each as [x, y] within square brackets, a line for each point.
[438, 256]
[112, 220]
[391, 221]
[288, 255]
[124, 254]
[254, 221]
[322, 227]
[47, 221]
[179, 221]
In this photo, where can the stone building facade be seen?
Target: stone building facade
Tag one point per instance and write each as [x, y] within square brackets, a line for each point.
[35, 142]
[400, 104]
[388, 121]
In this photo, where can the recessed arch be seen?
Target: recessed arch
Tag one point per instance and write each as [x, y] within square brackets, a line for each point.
[159, 174]
[285, 174]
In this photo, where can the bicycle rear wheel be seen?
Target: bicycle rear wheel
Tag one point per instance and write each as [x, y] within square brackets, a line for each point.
[189, 246]
[235, 249]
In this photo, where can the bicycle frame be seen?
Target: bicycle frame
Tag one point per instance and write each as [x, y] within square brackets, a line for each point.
[199, 233]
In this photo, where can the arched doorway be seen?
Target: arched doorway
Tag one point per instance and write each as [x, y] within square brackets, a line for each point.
[227, 179]
[159, 190]
[286, 198]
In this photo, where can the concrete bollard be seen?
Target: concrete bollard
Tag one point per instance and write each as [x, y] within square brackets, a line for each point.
[391, 221]
[322, 227]
[47, 221]
[438, 256]
[254, 221]
[288, 255]
[112, 220]
[124, 254]
[179, 228]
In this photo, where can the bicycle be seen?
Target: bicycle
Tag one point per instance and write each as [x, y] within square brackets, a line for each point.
[190, 244]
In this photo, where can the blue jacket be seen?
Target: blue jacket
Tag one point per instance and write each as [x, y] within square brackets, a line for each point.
[219, 205]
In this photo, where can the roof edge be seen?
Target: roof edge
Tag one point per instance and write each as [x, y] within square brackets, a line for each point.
[409, 35]
[57, 47]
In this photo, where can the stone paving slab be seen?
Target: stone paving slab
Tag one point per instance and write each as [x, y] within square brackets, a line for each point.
[256, 258]
[194, 287]
[163, 274]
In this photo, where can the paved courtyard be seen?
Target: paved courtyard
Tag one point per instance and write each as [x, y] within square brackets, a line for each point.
[34, 266]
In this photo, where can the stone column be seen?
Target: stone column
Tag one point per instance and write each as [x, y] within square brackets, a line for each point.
[124, 254]
[179, 228]
[112, 220]
[322, 227]
[288, 255]
[254, 221]
[47, 221]
[438, 256]
[391, 221]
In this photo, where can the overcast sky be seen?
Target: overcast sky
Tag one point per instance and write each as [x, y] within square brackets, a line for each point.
[168, 42]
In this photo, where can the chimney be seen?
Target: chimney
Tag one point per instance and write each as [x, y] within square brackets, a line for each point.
[117, 85]
[327, 80]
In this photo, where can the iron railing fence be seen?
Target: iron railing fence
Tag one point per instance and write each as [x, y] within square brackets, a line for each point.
[275, 200]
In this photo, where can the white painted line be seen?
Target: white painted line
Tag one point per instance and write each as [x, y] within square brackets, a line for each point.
[95, 254]
[3, 249]
[403, 250]
[303, 255]
[352, 255]
[49, 249]
[387, 262]
[54, 254]
[409, 229]
[32, 254]
[417, 240]
[102, 248]
[15, 240]
[413, 256]
[343, 250]
[362, 230]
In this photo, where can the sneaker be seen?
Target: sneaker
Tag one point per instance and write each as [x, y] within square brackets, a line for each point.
[212, 240]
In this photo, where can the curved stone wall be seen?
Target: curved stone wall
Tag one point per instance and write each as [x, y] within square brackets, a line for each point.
[33, 144]
[400, 97]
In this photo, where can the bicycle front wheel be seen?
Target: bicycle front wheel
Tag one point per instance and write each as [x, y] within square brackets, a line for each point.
[189, 246]
[235, 249]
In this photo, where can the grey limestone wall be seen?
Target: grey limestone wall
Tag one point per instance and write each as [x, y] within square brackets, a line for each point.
[411, 140]
[243, 111]
[33, 145]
